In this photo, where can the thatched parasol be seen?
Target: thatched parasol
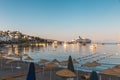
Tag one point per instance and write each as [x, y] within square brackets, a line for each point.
[2, 53]
[55, 61]
[28, 58]
[10, 55]
[117, 70]
[17, 56]
[50, 65]
[66, 73]
[43, 61]
[1, 61]
[91, 64]
[75, 61]
[117, 66]
[1, 58]
[64, 63]
[10, 61]
[25, 54]
[109, 72]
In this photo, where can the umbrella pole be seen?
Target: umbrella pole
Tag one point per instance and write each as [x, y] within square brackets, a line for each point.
[1, 64]
[11, 67]
[100, 77]
[43, 70]
[77, 72]
[17, 64]
[50, 74]
[110, 78]
[28, 66]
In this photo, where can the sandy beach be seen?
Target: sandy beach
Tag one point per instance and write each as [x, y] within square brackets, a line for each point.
[13, 73]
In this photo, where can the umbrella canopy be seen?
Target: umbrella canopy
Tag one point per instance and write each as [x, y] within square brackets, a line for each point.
[17, 56]
[117, 66]
[10, 61]
[31, 72]
[28, 58]
[70, 64]
[75, 61]
[109, 72]
[55, 61]
[93, 76]
[91, 64]
[66, 73]
[50, 65]
[64, 63]
[2, 53]
[1, 57]
[43, 61]
[10, 55]
[25, 54]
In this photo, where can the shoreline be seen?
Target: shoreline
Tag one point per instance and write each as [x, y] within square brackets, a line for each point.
[20, 74]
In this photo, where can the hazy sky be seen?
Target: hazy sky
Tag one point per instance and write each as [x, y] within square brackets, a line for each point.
[63, 19]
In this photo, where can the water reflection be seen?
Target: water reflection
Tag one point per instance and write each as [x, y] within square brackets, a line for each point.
[75, 50]
[69, 48]
[16, 50]
[9, 51]
[84, 50]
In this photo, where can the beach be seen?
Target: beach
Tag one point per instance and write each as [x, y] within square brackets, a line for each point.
[12, 67]
[7, 73]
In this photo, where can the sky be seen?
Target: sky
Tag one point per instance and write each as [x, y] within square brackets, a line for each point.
[98, 20]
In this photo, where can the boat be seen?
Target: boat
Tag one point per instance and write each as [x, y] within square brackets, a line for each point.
[93, 46]
[81, 40]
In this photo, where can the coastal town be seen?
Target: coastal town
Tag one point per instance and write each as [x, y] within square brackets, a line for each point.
[17, 37]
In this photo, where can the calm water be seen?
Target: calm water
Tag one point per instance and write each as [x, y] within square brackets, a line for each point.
[61, 52]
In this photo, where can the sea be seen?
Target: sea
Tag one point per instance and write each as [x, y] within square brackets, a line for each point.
[107, 55]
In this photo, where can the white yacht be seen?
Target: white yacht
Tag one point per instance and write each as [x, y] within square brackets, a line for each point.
[80, 40]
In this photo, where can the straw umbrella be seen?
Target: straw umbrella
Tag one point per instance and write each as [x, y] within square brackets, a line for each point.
[64, 63]
[19, 57]
[31, 73]
[91, 64]
[55, 61]
[10, 55]
[50, 65]
[29, 59]
[25, 54]
[2, 53]
[109, 72]
[10, 61]
[1, 58]
[75, 61]
[43, 61]
[66, 73]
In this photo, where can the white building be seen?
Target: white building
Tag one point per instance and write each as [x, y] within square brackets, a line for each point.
[5, 38]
